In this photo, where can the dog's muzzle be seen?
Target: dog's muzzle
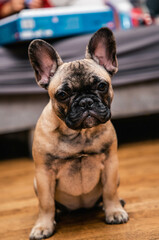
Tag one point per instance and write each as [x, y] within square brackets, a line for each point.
[87, 112]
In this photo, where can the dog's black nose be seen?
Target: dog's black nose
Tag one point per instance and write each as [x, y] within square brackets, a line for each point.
[86, 102]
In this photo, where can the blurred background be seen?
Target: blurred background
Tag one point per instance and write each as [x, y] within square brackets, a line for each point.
[68, 25]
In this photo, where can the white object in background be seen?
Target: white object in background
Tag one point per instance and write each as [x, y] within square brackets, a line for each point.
[59, 3]
[88, 3]
[121, 5]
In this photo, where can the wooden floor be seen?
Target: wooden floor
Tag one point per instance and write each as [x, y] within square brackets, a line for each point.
[139, 170]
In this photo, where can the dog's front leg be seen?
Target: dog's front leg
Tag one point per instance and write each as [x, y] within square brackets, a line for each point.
[114, 212]
[44, 226]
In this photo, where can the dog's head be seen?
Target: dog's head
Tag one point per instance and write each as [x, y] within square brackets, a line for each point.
[80, 91]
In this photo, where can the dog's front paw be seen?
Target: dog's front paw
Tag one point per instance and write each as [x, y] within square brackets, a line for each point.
[41, 231]
[117, 216]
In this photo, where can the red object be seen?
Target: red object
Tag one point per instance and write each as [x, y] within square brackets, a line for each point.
[2, 2]
[140, 18]
[47, 4]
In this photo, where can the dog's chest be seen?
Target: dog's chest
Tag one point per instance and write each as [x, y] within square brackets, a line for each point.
[78, 161]
[79, 175]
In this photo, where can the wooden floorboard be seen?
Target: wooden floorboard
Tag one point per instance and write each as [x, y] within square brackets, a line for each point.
[139, 172]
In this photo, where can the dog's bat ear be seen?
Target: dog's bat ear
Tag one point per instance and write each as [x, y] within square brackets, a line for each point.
[44, 60]
[102, 49]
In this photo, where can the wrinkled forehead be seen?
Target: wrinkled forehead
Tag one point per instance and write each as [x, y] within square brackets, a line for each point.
[79, 74]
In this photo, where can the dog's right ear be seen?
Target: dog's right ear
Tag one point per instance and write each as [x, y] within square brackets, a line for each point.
[44, 60]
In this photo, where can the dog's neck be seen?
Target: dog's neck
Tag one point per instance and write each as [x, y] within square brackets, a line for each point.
[84, 133]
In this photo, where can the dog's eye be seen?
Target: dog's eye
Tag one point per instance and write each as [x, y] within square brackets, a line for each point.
[62, 95]
[103, 87]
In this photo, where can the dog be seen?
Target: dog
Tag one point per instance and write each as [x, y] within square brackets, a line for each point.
[75, 144]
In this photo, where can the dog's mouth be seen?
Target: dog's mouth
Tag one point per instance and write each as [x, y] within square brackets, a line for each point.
[88, 119]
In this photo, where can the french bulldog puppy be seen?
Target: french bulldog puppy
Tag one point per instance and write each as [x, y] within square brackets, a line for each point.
[75, 144]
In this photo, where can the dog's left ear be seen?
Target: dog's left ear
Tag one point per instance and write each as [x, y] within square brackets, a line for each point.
[102, 49]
